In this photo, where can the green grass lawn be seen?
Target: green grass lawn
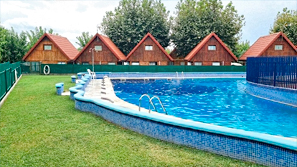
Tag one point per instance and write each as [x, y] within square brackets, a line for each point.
[39, 128]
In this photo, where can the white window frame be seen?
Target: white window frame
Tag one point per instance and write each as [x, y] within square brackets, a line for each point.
[278, 47]
[135, 63]
[126, 63]
[111, 63]
[61, 62]
[212, 47]
[198, 63]
[216, 63]
[153, 63]
[98, 48]
[47, 47]
[148, 47]
[189, 63]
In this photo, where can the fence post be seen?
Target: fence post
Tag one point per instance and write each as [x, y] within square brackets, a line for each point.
[274, 73]
[5, 81]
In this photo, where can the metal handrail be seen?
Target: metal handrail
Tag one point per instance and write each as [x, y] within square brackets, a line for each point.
[160, 103]
[149, 100]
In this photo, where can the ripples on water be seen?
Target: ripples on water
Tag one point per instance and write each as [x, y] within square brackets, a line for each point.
[217, 101]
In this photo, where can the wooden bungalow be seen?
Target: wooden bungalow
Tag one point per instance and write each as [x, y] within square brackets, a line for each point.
[211, 51]
[51, 49]
[149, 52]
[104, 50]
[276, 44]
[177, 60]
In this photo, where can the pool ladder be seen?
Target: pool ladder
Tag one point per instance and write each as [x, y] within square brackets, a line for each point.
[151, 102]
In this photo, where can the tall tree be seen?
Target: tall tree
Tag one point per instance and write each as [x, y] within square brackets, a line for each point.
[3, 33]
[13, 49]
[241, 48]
[286, 22]
[83, 39]
[34, 35]
[196, 19]
[132, 19]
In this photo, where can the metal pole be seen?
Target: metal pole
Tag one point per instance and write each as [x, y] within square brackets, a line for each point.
[93, 58]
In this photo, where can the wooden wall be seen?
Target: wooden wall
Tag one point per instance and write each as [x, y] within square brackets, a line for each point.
[287, 49]
[145, 56]
[208, 56]
[46, 56]
[105, 56]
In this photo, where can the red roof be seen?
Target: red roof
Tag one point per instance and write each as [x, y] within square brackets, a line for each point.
[111, 46]
[203, 42]
[62, 43]
[262, 44]
[155, 41]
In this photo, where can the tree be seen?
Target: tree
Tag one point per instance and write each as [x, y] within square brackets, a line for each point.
[33, 36]
[287, 23]
[3, 33]
[13, 49]
[241, 48]
[196, 19]
[132, 19]
[83, 39]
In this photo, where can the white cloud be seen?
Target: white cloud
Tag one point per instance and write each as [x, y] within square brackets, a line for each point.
[71, 18]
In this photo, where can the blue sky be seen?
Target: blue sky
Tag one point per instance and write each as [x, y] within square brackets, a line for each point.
[70, 18]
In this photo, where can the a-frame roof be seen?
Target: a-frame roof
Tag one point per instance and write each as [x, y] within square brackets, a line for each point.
[203, 42]
[155, 41]
[111, 46]
[263, 43]
[62, 43]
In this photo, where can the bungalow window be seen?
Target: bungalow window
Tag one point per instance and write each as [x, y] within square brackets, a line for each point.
[85, 63]
[212, 47]
[182, 63]
[148, 47]
[198, 63]
[136, 63]
[126, 63]
[98, 48]
[171, 63]
[216, 63]
[189, 63]
[61, 62]
[111, 63]
[278, 47]
[47, 47]
[153, 63]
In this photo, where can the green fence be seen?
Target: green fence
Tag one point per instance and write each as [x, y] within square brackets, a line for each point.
[8, 75]
[74, 68]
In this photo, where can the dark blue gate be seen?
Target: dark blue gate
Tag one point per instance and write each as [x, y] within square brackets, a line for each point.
[274, 71]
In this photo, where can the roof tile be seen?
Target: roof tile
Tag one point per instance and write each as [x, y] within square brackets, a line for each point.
[112, 47]
[61, 42]
[262, 44]
[203, 42]
[155, 41]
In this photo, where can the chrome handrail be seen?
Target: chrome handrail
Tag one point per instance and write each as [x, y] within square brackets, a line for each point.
[149, 100]
[160, 103]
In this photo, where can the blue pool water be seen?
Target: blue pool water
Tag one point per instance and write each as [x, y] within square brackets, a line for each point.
[221, 102]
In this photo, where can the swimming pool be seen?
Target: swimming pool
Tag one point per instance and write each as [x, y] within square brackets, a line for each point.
[219, 101]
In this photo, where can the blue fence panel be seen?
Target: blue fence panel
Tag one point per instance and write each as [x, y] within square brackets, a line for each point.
[274, 71]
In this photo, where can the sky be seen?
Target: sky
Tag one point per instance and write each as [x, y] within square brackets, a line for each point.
[69, 18]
